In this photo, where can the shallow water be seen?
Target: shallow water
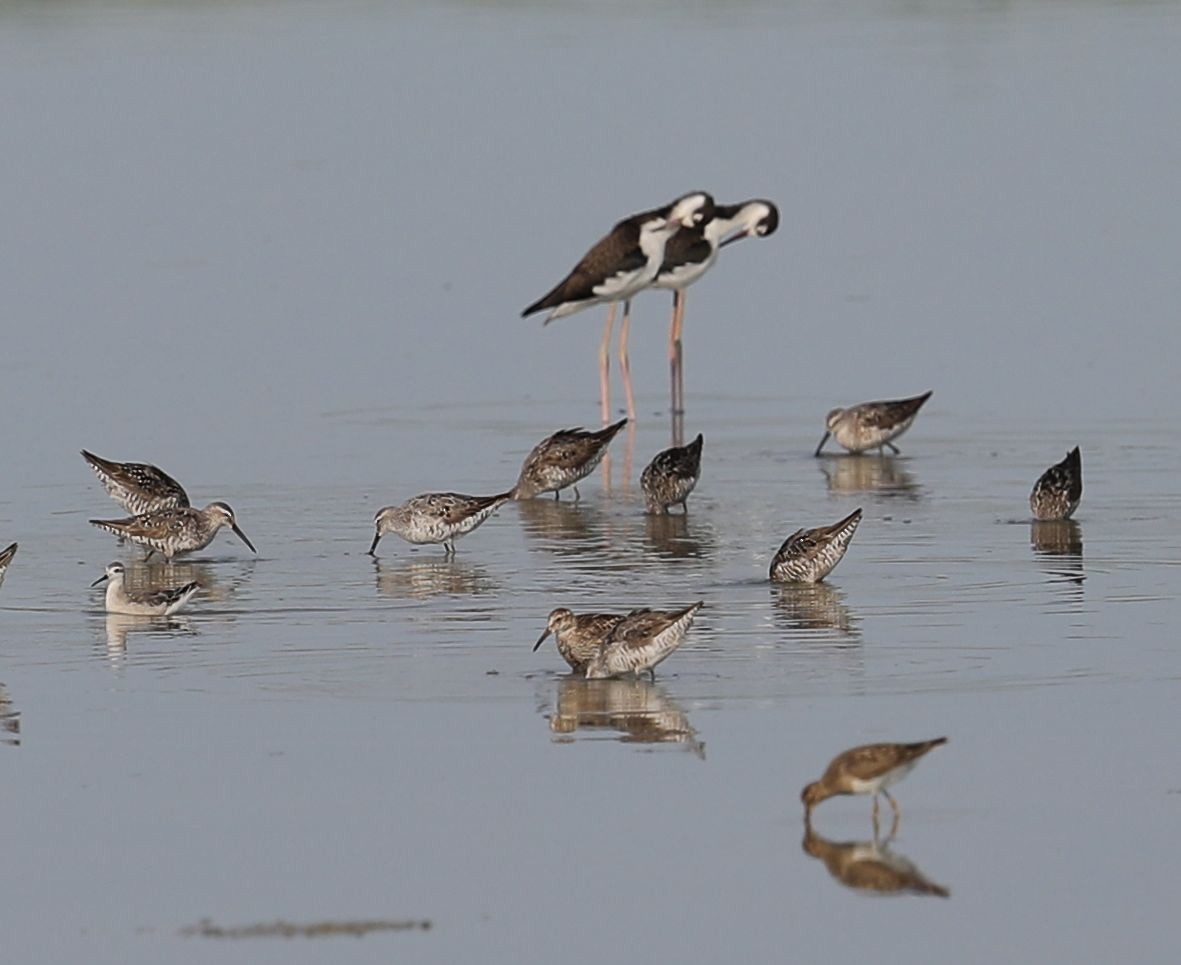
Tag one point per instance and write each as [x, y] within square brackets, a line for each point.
[279, 250]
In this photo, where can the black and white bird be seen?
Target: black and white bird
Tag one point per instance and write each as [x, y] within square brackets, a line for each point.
[690, 254]
[624, 262]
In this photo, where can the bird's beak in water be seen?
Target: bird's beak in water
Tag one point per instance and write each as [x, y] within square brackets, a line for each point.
[376, 540]
[101, 579]
[540, 640]
[822, 442]
[242, 537]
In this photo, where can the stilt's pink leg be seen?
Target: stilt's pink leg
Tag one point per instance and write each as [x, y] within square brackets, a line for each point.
[605, 367]
[672, 355]
[625, 362]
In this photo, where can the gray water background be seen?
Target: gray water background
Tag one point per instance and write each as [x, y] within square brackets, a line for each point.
[279, 250]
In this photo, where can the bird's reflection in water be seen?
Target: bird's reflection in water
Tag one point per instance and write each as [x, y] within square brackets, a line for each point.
[10, 720]
[119, 626]
[639, 711]
[1059, 545]
[563, 527]
[870, 866]
[814, 606]
[426, 578]
[868, 473]
[677, 536]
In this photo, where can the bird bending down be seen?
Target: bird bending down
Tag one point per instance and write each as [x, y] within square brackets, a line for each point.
[671, 476]
[1057, 493]
[640, 641]
[563, 459]
[868, 769]
[435, 518]
[871, 425]
[579, 636]
[137, 486]
[809, 555]
[6, 556]
[622, 263]
[688, 255]
[154, 603]
[175, 531]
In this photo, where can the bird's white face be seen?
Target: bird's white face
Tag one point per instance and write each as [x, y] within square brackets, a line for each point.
[115, 570]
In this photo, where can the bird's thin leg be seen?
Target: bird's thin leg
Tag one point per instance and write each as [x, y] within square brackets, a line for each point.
[680, 356]
[894, 449]
[557, 495]
[605, 366]
[893, 804]
[577, 495]
[151, 553]
[893, 830]
[672, 353]
[625, 368]
[875, 809]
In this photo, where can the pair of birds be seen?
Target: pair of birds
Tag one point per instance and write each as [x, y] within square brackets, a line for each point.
[668, 248]
[558, 462]
[162, 519]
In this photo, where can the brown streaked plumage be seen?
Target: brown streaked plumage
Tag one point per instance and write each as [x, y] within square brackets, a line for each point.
[435, 518]
[137, 486]
[175, 531]
[868, 769]
[871, 425]
[640, 641]
[869, 866]
[809, 555]
[563, 459]
[671, 476]
[6, 556]
[579, 636]
[1057, 493]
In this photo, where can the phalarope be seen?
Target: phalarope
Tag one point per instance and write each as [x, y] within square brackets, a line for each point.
[156, 603]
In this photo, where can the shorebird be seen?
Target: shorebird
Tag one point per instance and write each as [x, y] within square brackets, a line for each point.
[869, 866]
[136, 486]
[872, 425]
[579, 636]
[809, 555]
[1057, 493]
[435, 518]
[869, 769]
[671, 476]
[562, 459]
[640, 641]
[6, 556]
[175, 531]
[688, 255]
[622, 263]
[150, 603]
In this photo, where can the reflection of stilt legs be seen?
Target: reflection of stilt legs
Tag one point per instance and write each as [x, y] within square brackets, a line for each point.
[625, 363]
[605, 367]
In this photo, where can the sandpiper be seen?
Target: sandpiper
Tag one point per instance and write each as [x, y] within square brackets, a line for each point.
[136, 486]
[435, 518]
[562, 459]
[6, 556]
[150, 603]
[671, 476]
[870, 866]
[619, 265]
[579, 636]
[690, 253]
[1057, 493]
[869, 769]
[175, 531]
[872, 425]
[640, 641]
[809, 555]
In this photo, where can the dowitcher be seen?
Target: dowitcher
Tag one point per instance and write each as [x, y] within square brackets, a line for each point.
[671, 476]
[435, 518]
[689, 254]
[562, 459]
[175, 531]
[640, 641]
[579, 636]
[619, 265]
[869, 866]
[869, 769]
[1057, 493]
[153, 603]
[6, 556]
[136, 486]
[872, 425]
[809, 555]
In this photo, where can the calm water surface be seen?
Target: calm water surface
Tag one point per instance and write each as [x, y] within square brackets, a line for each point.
[279, 249]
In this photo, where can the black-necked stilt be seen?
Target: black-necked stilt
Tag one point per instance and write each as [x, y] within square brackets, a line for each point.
[620, 264]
